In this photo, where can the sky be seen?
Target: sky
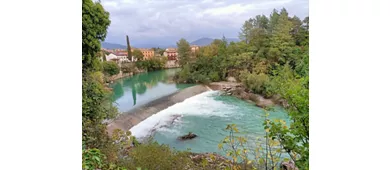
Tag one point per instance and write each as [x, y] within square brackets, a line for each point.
[164, 22]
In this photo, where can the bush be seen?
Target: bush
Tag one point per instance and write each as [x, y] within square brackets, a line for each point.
[110, 68]
[214, 76]
[151, 64]
[258, 83]
[128, 67]
[154, 156]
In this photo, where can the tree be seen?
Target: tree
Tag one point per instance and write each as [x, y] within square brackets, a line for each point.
[184, 51]
[110, 68]
[95, 21]
[96, 104]
[273, 20]
[281, 41]
[160, 51]
[246, 27]
[138, 54]
[129, 55]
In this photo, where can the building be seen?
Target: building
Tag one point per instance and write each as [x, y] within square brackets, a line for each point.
[148, 53]
[111, 57]
[122, 53]
[171, 53]
[118, 57]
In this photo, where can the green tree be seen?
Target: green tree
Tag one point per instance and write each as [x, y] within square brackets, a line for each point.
[129, 55]
[184, 51]
[110, 68]
[274, 17]
[138, 54]
[96, 103]
[245, 31]
[95, 21]
[281, 42]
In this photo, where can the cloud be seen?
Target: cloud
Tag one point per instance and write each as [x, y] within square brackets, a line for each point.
[166, 21]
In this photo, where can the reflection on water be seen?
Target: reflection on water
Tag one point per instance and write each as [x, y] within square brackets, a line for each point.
[142, 88]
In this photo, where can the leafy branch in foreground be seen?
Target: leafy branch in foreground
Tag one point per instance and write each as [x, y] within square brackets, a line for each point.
[265, 154]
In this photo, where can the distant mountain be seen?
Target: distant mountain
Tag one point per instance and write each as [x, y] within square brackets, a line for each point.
[202, 41]
[208, 41]
[107, 45]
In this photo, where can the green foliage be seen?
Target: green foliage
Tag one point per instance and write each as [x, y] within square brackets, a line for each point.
[258, 83]
[265, 154]
[184, 50]
[154, 156]
[138, 54]
[152, 64]
[272, 59]
[159, 51]
[128, 67]
[92, 159]
[295, 139]
[95, 21]
[110, 68]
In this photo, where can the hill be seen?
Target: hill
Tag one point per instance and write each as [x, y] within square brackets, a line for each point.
[113, 46]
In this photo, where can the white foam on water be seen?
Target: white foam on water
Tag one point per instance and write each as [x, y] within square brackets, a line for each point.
[199, 105]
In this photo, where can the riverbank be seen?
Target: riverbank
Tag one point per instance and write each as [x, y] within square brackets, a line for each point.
[239, 91]
[122, 75]
[129, 119]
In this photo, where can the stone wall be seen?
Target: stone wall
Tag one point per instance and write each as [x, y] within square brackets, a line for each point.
[119, 76]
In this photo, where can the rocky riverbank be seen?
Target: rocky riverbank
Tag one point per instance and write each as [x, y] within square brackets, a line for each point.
[121, 75]
[239, 91]
[127, 120]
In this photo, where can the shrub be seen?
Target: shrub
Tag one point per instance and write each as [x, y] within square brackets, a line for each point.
[92, 159]
[258, 83]
[128, 67]
[110, 68]
[214, 76]
[154, 156]
[151, 64]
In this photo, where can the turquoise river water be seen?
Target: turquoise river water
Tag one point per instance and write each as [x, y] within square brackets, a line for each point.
[206, 114]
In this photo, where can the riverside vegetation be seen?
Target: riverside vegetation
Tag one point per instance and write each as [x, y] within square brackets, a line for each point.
[271, 59]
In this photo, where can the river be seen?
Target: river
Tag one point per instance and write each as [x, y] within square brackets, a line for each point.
[206, 114]
[135, 91]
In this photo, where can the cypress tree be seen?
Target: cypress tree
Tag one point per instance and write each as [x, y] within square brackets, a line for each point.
[128, 48]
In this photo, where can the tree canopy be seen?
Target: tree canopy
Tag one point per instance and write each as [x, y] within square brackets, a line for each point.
[184, 50]
[138, 54]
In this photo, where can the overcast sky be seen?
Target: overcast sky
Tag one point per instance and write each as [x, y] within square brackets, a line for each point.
[166, 21]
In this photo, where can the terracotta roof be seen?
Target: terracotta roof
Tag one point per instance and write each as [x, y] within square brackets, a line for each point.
[171, 50]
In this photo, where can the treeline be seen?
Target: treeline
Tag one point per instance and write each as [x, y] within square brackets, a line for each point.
[272, 58]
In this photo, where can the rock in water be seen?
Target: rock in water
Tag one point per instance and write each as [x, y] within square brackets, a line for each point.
[188, 136]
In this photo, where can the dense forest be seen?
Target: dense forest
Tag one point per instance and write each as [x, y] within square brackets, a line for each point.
[271, 59]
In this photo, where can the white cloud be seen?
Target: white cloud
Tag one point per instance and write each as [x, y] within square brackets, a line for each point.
[230, 9]
[166, 21]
